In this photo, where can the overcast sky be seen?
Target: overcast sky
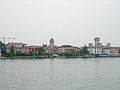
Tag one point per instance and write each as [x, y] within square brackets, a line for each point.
[74, 22]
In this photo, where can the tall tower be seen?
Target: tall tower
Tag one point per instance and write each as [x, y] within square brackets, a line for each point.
[108, 44]
[51, 43]
[97, 41]
[98, 46]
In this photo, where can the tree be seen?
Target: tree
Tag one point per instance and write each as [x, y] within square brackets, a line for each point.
[12, 51]
[119, 51]
[40, 50]
[31, 53]
[3, 48]
[84, 50]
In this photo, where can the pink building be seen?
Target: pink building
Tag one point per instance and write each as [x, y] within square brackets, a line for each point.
[68, 48]
[114, 50]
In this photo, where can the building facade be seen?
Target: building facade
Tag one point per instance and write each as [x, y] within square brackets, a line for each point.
[25, 49]
[96, 48]
[68, 49]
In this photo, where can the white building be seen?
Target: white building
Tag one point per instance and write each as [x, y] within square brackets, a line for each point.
[96, 48]
[106, 50]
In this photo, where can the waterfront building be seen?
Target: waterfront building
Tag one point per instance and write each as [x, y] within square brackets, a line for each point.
[114, 50]
[51, 48]
[25, 49]
[96, 48]
[68, 48]
[21, 49]
[17, 49]
[106, 50]
[33, 48]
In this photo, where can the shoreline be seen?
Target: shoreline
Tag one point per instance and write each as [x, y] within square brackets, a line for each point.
[63, 57]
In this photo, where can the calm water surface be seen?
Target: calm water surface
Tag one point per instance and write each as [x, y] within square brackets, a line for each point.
[60, 74]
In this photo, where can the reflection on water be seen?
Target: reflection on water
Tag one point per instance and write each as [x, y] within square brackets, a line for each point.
[60, 74]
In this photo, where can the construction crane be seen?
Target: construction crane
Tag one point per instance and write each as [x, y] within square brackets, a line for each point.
[3, 39]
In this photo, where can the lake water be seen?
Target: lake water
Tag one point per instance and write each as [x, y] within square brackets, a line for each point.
[60, 74]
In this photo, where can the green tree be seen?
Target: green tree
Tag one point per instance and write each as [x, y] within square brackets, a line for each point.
[12, 51]
[67, 54]
[3, 48]
[84, 50]
[40, 50]
[21, 54]
[119, 51]
[31, 53]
